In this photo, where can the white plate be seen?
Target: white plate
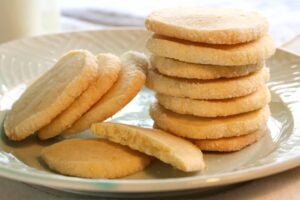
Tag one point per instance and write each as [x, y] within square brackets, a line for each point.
[23, 60]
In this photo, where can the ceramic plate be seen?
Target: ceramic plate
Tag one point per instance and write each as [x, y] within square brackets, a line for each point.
[23, 60]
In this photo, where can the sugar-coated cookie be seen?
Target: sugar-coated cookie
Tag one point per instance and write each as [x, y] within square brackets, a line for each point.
[50, 94]
[109, 67]
[216, 108]
[193, 127]
[230, 144]
[178, 152]
[199, 53]
[131, 79]
[206, 89]
[175, 68]
[93, 158]
[208, 25]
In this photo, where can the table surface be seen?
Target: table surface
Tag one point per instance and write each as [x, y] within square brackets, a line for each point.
[100, 14]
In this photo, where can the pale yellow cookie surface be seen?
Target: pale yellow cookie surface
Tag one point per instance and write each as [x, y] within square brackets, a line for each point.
[50, 94]
[131, 79]
[208, 25]
[109, 67]
[168, 148]
[172, 67]
[208, 128]
[199, 53]
[231, 143]
[93, 158]
[216, 108]
[206, 89]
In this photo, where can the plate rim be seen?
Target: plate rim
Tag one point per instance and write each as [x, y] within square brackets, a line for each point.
[148, 185]
[138, 185]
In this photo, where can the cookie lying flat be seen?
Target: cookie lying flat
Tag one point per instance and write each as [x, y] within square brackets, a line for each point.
[231, 143]
[206, 89]
[208, 25]
[168, 148]
[216, 108]
[109, 67]
[171, 67]
[199, 53]
[93, 158]
[208, 128]
[131, 79]
[50, 94]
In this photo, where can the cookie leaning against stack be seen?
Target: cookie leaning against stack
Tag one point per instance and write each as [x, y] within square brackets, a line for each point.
[52, 93]
[81, 89]
[78, 90]
[208, 69]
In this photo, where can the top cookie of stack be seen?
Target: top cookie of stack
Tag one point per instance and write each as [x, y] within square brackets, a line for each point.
[210, 63]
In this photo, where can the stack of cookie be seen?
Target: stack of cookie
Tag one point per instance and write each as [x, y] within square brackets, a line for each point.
[208, 70]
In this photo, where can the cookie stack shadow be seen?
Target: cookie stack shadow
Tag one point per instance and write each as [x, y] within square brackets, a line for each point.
[211, 92]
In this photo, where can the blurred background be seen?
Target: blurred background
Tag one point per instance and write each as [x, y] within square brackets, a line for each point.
[23, 18]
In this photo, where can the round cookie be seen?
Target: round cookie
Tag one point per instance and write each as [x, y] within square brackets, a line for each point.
[199, 53]
[93, 158]
[216, 108]
[206, 89]
[50, 94]
[180, 153]
[230, 144]
[131, 79]
[208, 25]
[109, 67]
[174, 68]
[193, 127]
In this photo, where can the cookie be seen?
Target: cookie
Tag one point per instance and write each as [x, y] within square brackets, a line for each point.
[168, 148]
[93, 158]
[189, 126]
[109, 67]
[208, 25]
[216, 108]
[131, 79]
[230, 144]
[206, 89]
[199, 53]
[50, 94]
[171, 67]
